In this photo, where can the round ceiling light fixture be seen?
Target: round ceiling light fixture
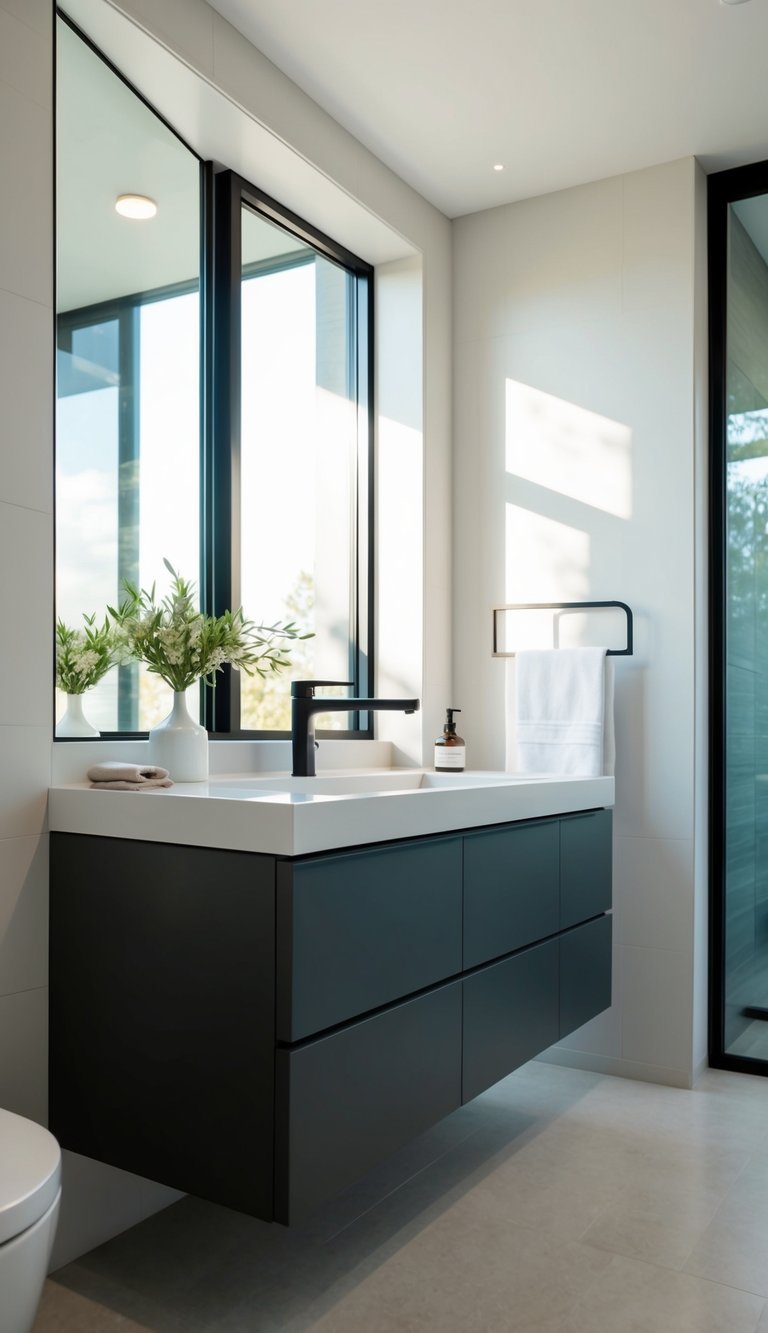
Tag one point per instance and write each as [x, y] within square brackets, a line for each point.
[498, 166]
[135, 206]
[733, 2]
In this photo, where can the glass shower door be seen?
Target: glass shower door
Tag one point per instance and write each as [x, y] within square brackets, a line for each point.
[745, 626]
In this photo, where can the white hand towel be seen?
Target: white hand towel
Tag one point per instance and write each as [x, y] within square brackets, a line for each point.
[114, 770]
[561, 707]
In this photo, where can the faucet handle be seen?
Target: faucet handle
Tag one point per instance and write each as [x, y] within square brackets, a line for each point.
[305, 689]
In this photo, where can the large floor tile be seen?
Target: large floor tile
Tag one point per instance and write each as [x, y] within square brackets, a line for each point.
[734, 1253]
[658, 1226]
[560, 1201]
[632, 1297]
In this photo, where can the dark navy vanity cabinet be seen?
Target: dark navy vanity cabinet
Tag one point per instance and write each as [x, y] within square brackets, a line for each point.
[260, 1031]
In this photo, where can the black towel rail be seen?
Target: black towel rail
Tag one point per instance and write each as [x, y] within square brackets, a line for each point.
[564, 606]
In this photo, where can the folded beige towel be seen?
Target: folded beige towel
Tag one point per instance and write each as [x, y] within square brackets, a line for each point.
[114, 770]
[149, 785]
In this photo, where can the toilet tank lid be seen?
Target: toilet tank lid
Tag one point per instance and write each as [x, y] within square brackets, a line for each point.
[30, 1173]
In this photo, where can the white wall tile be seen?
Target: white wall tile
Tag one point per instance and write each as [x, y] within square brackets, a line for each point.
[23, 914]
[534, 265]
[656, 1018]
[24, 52]
[26, 169]
[25, 769]
[657, 221]
[653, 892]
[26, 603]
[24, 1053]
[26, 393]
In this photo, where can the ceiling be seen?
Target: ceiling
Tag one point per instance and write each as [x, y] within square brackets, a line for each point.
[558, 91]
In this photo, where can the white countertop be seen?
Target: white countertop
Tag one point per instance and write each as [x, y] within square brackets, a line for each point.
[227, 812]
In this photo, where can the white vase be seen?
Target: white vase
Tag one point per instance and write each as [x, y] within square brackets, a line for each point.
[74, 723]
[180, 744]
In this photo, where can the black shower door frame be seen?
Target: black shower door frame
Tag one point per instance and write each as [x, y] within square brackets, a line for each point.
[724, 189]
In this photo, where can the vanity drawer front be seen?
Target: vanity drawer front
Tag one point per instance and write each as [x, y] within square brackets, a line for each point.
[510, 889]
[348, 1100]
[585, 973]
[362, 929]
[510, 1015]
[586, 851]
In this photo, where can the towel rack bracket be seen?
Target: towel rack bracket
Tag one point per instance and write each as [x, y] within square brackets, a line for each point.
[627, 651]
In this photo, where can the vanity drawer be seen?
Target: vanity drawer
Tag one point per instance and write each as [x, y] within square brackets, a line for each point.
[585, 973]
[586, 852]
[510, 1015]
[348, 1100]
[361, 929]
[510, 889]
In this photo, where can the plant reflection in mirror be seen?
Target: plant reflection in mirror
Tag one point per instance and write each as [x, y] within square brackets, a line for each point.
[84, 656]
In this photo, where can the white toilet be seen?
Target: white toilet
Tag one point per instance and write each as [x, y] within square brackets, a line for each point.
[30, 1189]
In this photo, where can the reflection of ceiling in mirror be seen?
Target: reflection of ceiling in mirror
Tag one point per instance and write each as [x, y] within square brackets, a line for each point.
[109, 143]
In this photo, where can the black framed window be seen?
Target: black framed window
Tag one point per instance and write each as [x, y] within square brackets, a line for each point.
[214, 406]
[290, 446]
[738, 293]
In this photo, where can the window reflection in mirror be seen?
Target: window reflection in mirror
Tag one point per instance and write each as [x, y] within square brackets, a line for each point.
[128, 354]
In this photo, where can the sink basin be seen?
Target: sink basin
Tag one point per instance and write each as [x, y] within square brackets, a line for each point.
[354, 784]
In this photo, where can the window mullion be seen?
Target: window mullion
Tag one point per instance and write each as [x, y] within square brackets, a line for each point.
[128, 491]
[222, 462]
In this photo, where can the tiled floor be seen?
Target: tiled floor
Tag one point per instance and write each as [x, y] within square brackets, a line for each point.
[560, 1201]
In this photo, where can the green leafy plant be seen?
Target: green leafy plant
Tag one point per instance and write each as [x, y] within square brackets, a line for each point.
[181, 644]
[83, 656]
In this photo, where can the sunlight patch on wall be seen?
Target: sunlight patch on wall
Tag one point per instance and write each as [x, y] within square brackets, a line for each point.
[568, 449]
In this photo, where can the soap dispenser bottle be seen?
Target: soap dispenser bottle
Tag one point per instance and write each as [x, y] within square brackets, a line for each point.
[450, 750]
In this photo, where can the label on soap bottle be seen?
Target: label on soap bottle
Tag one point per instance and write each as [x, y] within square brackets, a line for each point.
[450, 756]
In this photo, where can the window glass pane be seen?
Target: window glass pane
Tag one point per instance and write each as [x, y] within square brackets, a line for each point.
[127, 452]
[299, 446]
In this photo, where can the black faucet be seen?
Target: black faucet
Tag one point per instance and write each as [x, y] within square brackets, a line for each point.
[304, 707]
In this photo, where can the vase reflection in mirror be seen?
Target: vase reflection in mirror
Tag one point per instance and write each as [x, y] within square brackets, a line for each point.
[74, 725]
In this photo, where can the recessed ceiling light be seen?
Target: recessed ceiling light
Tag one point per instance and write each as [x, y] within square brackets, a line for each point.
[135, 206]
[498, 166]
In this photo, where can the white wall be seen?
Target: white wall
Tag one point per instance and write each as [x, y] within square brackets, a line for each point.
[239, 109]
[588, 296]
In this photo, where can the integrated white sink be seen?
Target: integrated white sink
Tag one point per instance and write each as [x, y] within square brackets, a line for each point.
[353, 784]
[276, 813]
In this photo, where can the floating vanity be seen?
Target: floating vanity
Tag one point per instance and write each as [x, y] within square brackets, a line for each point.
[260, 987]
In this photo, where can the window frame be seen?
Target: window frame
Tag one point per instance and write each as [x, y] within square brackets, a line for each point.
[225, 193]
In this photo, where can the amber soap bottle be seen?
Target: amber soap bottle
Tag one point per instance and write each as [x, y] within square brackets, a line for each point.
[450, 750]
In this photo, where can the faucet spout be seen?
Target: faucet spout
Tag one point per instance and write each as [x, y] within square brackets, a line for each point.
[305, 705]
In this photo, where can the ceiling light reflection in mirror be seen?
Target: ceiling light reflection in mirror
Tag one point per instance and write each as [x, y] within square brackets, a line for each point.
[109, 142]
